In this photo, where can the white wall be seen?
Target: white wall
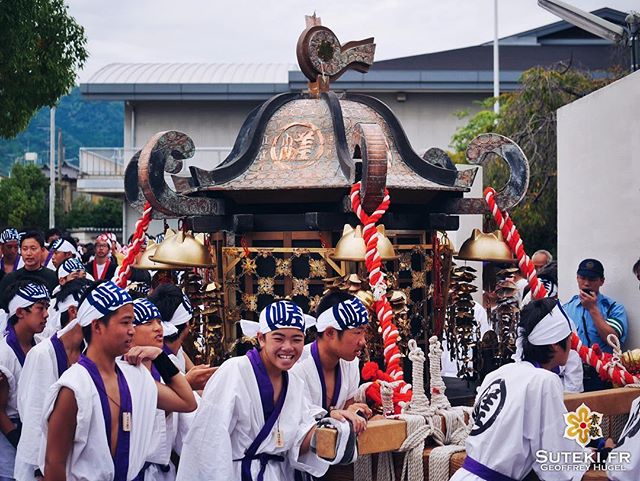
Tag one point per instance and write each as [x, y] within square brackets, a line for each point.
[599, 192]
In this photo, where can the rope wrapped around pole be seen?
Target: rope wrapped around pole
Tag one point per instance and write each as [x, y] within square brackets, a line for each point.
[124, 270]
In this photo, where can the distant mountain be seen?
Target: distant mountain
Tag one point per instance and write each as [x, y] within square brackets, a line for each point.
[84, 124]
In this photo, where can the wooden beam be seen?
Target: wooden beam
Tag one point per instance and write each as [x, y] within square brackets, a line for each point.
[607, 402]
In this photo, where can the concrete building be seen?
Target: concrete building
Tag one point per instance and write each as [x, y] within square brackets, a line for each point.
[210, 101]
[599, 192]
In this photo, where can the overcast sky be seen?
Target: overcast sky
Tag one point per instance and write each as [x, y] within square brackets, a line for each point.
[251, 31]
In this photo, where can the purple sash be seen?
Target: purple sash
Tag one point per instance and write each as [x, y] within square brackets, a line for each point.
[16, 263]
[14, 344]
[270, 412]
[167, 350]
[49, 256]
[338, 383]
[121, 458]
[154, 373]
[61, 354]
[482, 471]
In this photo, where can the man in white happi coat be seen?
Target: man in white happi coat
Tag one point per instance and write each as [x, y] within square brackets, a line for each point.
[100, 413]
[255, 421]
[623, 463]
[26, 304]
[519, 410]
[43, 366]
[331, 368]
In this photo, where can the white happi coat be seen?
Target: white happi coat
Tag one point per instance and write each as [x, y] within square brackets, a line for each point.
[230, 417]
[522, 413]
[90, 458]
[11, 368]
[629, 442]
[306, 370]
[39, 372]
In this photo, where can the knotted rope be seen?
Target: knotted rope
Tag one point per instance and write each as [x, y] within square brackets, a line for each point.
[124, 270]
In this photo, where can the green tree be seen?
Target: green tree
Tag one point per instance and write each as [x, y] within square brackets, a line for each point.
[84, 213]
[41, 48]
[24, 198]
[528, 116]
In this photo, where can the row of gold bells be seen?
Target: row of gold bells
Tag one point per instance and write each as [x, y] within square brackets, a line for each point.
[177, 251]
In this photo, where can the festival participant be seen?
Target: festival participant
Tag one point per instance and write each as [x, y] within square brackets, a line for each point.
[26, 304]
[103, 266]
[11, 260]
[43, 365]
[255, 422]
[100, 414]
[149, 330]
[72, 269]
[519, 409]
[59, 251]
[331, 371]
[31, 249]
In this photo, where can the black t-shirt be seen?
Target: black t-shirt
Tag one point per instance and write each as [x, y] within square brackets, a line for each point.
[44, 275]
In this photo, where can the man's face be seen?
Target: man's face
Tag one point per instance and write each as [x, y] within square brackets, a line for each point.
[350, 345]
[592, 283]
[59, 257]
[70, 277]
[539, 261]
[117, 334]
[102, 249]
[10, 250]
[282, 347]
[34, 317]
[149, 334]
[31, 252]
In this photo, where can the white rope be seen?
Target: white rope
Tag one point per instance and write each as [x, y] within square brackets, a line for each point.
[437, 387]
[362, 470]
[386, 393]
[439, 461]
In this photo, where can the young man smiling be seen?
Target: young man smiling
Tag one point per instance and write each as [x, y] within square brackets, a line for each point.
[26, 304]
[255, 421]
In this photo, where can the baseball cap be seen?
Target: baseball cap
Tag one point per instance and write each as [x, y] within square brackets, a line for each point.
[592, 268]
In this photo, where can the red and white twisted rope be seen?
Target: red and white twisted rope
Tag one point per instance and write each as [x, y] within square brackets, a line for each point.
[124, 270]
[605, 364]
[373, 262]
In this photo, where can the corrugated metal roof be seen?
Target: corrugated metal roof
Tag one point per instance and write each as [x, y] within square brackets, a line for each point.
[193, 73]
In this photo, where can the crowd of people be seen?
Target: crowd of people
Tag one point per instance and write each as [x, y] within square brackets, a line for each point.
[95, 384]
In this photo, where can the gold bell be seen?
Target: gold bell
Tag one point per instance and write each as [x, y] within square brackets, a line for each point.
[351, 246]
[485, 247]
[147, 264]
[631, 360]
[367, 299]
[182, 249]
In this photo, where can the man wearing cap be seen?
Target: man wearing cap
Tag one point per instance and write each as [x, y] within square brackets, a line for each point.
[99, 416]
[43, 366]
[596, 316]
[27, 304]
[330, 369]
[11, 260]
[31, 249]
[103, 266]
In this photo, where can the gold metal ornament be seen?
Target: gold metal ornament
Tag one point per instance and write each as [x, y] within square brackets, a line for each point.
[313, 303]
[265, 285]
[631, 360]
[249, 266]
[317, 268]
[300, 287]
[283, 267]
[182, 249]
[485, 247]
[405, 261]
[250, 301]
[146, 263]
[351, 246]
[418, 280]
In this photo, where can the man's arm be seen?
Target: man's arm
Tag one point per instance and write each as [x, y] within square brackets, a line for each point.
[6, 425]
[589, 301]
[175, 394]
[61, 432]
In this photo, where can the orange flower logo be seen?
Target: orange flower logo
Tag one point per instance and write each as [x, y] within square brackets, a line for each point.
[583, 425]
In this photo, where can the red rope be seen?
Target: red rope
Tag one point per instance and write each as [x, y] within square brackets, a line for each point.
[605, 364]
[124, 270]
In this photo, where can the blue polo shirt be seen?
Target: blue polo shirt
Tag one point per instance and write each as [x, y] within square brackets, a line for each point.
[612, 311]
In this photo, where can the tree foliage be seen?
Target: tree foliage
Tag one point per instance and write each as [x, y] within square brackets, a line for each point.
[84, 213]
[41, 48]
[528, 116]
[24, 198]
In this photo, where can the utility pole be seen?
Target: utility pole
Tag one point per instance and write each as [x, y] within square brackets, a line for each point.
[496, 60]
[52, 169]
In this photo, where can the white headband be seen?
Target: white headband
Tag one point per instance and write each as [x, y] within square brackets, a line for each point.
[64, 307]
[277, 315]
[349, 314]
[104, 299]
[27, 296]
[183, 313]
[554, 327]
[62, 245]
